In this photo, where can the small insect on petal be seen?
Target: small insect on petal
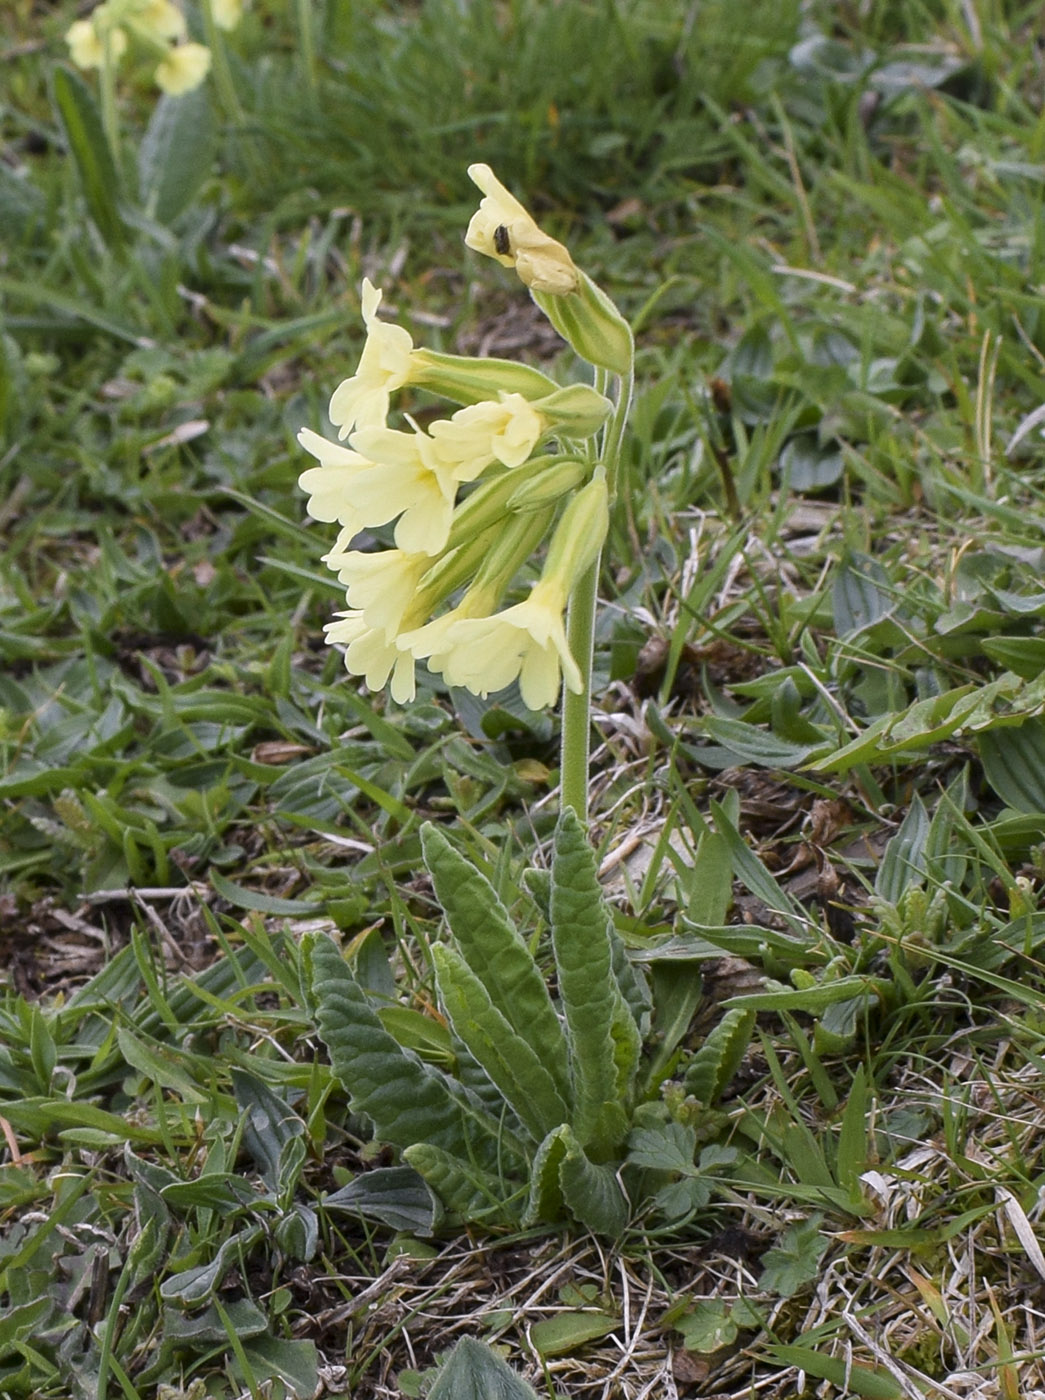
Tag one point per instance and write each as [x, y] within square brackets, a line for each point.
[501, 240]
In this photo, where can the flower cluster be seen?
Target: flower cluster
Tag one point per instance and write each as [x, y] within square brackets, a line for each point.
[474, 493]
[158, 29]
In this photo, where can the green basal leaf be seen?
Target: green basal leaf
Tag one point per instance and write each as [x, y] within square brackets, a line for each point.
[591, 1191]
[718, 1059]
[466, 1190]
[497, 954]
[474, 1371]
[508, 1060]
[604, 1040]
[409, 1101]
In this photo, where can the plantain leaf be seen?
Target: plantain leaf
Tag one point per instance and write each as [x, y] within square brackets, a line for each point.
[604, 1040]
[903, 863]
[496, 953]
[83, 130]
[408, 1100]
[512, 1064]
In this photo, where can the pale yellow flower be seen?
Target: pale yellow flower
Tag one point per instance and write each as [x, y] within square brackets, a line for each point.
[505, 432]
[184, 68]
[227, 13]
[382, 586]
[406, 479]
[384, 366]
[87, 46]
[157, 19]
[370, 654]
[503, 229]
[527, 641]
[330, 485]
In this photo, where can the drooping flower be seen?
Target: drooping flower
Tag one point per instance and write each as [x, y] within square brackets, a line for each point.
[87, 40]
[184, 68]
[406, 478]
[527, 641]
[159, 20]
[506, 431]
[382, 586]
[502, 228]
[371, 654]
[384, 366]
[227, 13]
[330, 486]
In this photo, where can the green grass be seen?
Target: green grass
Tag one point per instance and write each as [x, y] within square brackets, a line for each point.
[821, 755]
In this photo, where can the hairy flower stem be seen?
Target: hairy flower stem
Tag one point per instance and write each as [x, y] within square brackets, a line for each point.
[580, 630]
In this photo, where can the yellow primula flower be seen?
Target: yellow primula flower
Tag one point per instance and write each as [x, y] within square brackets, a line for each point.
[395, 474]
[87, 45]
[527, 641]
[384, 366]
[330, 485]
[184, 68]
[506, 431]
[227, 13]
[157, 20]
[369, 653]
[382, 586]
[407, 479]
[503, 229]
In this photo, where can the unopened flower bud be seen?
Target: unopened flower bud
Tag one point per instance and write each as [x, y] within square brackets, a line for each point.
[592, 325]
[577, 411]
[563, 475]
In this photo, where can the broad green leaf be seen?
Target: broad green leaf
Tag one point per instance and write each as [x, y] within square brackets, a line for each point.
[510, 1062]
[852, 1155]
[241, 898]
[603, 1055]
[1014, 765]
[176, 153]
[496, 953]
[591, 1191]
[839, 1024]
[718, 1059]
[753, 745]
[812, 1000]
[194, 1286]
[474, 1371]
[281, 1358]
[862, 595]
[396, 1196]
[467, 1191]
[546, 1204]
[708, 1325]
[566, 1331]
[269, 1125]
[207, 1326]
[409, 1101]
[670, 1147]
[83, 130]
